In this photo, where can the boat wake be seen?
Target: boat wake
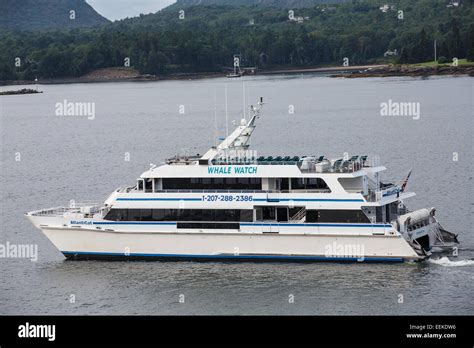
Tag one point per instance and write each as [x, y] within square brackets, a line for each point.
[445, 261]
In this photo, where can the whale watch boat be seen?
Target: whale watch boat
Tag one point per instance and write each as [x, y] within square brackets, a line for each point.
[230, 204]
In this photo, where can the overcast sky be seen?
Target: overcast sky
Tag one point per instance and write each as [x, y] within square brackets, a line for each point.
[119, 9]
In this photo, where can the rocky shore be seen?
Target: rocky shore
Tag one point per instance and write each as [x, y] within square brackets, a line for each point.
[405, 70]
[21, 91]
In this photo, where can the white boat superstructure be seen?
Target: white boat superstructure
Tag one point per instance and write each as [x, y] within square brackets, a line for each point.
[232, 204]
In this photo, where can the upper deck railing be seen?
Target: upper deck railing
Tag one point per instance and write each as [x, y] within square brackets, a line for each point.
[229, 191]
[378, 195]
[75, 208]
[307, 164]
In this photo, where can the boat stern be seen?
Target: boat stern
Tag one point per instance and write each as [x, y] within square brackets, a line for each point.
[424, 233]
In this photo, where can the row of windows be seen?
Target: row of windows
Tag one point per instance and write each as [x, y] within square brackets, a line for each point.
[180, 215]
[233, 215]
[209, 225]
[342, 216]
[308, 184]
[212, 183]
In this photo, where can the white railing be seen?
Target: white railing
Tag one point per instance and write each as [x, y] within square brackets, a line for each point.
[242, 191]
[57, 211]
[378, 195]
[74, 204]
[299, 215]
[73, 208]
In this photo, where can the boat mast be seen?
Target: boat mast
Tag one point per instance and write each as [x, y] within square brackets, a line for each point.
[239, 139]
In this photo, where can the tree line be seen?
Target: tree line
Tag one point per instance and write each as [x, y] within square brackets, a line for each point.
[204, 39]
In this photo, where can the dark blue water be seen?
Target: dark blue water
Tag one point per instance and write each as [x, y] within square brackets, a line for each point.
[63, 158]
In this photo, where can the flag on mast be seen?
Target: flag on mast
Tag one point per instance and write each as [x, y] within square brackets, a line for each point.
[405, 182]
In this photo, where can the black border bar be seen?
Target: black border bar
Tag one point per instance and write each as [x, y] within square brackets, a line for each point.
[259, 330]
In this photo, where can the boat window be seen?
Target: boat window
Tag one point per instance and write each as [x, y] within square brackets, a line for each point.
[282, 214]
[268, 213]
[164, 214]
[311, 216]
[145, 214]
[148, 185]
[246, 215]
[379, 214]
[212, 184]
[309, 184]
[180, 215]
[117, 215]
[256, 182]
[209, 225]
[217, 181]
[134, 214]
[342, 216]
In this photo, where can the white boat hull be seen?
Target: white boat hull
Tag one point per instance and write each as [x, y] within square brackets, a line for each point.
[81, 243]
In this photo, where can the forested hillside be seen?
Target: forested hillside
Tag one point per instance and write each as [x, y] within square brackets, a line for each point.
[204, 38]
[275, 3]
[47, 14]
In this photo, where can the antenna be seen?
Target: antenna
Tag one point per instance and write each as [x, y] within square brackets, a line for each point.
[243, 92]
[215, 116]
[226, 114]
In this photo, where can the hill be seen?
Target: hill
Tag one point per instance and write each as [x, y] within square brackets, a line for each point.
[28, 15]
[207, 37]
[273, 3]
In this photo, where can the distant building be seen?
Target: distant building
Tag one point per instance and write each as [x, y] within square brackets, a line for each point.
[249, 70]
[299, 19]
[454, 3]
[385, 8]
[391, 53]
[328, 8]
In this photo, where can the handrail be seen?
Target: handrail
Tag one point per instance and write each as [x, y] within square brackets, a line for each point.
[351, 165]
[300, 214]
[243, 191]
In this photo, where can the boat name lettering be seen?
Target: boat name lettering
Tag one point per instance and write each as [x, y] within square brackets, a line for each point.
[232, 170]
[75, 222]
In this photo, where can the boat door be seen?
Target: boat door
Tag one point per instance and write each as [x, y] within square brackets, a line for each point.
[268, 215]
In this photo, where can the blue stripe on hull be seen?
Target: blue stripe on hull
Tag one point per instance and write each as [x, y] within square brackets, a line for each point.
[242, 224]
[109, 255]
[159, 199]
[133, 223]
[307, 200]
[255, 199]
[314, 225]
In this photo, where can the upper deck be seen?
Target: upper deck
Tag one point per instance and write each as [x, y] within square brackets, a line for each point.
[307, 164]
[232, 167]
[266, 167]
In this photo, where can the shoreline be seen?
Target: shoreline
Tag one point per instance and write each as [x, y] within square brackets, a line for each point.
[130, 75]
[22, 91]
[412, 71]
[356, 71]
